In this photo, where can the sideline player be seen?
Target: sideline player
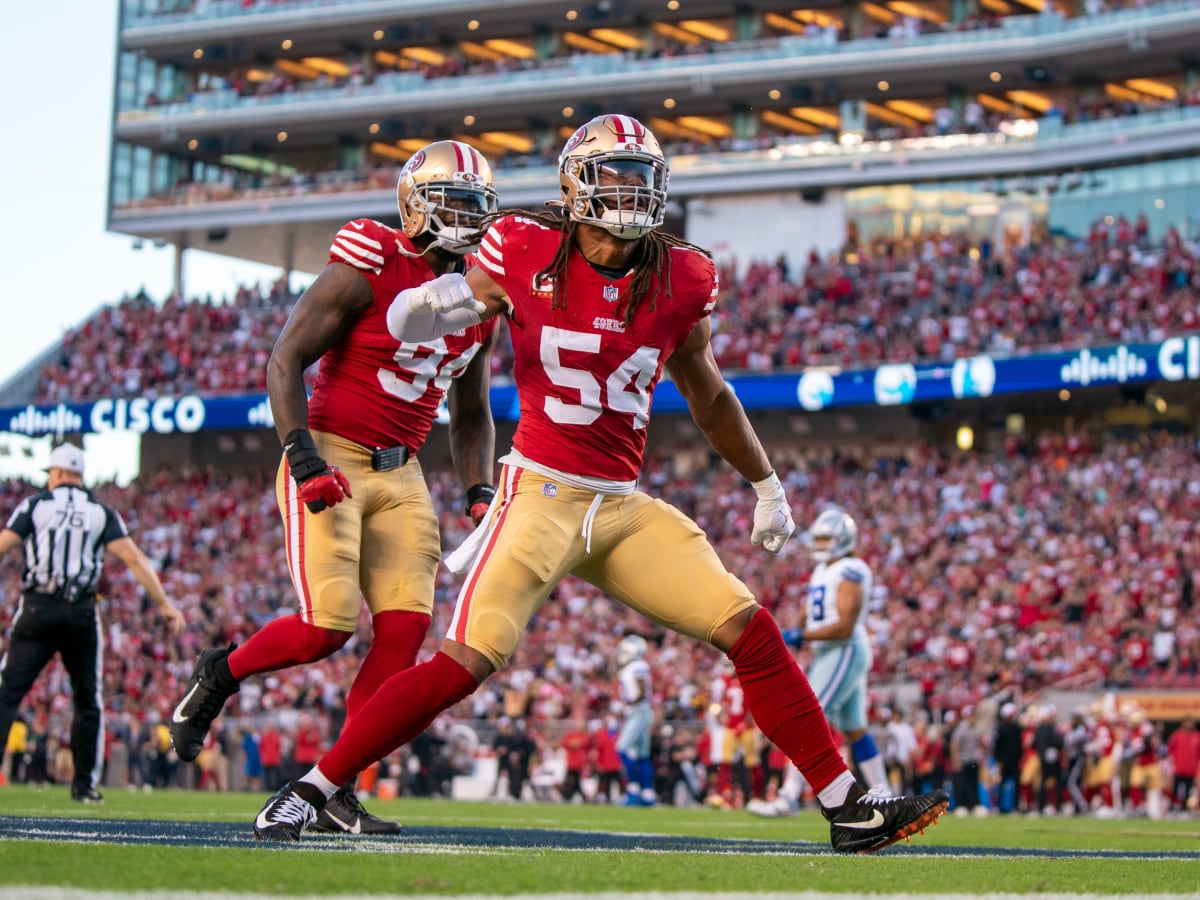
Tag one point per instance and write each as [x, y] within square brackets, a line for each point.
[600, 302]
[357, 513]
[633, 741]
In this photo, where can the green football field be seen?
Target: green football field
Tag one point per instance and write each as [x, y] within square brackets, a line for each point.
[172, 842]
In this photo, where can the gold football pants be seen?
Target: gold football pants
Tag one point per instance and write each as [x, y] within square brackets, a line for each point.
[640, 551]
[381, 545]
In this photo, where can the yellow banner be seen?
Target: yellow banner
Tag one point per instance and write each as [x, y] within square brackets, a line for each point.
[1170, 706]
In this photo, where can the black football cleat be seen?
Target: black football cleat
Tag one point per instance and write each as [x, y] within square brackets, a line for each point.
[286, 813]
[876, 819]
[205, 697]
[344, 814]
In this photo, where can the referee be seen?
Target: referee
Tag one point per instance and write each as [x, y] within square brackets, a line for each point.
[65, 531]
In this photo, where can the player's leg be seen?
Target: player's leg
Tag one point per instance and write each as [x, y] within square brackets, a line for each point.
[400, 548]
[27, 653]
[399, 556]
[532, 541]
[81, 648]
[322, 554]
[662, 564]
[664, 567]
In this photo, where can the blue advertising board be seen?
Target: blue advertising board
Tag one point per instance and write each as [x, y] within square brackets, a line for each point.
[1174, 359]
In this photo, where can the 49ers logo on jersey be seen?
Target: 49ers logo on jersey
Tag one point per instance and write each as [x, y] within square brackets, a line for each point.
[542, 286]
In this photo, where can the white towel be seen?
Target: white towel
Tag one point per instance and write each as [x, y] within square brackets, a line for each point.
[462, 558]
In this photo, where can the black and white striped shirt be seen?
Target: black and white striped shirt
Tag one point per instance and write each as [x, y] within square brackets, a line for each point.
[65, 532]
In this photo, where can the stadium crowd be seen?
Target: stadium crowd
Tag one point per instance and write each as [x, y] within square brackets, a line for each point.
[926, 298]
[999, 576]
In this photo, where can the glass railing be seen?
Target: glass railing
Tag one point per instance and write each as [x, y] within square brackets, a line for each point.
[1121, 124]
[174, 12]
[629, 65]
[533, 172]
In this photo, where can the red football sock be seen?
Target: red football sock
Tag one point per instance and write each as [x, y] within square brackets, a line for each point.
[783, 703]
[282, 643]
[400, 709]
[396, 641]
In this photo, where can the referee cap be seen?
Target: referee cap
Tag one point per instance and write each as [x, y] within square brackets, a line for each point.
[67, 457]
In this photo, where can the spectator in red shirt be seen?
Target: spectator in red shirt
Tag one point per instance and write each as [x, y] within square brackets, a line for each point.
[1183, 748]
[270, 749]
[575, 744]
[606, 761]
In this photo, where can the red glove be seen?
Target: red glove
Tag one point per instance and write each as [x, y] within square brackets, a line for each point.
[320, 485]
[325, 489]
[479, 498]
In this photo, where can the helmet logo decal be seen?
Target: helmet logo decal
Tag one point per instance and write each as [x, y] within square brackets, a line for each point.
[415, 161]
[575, 140]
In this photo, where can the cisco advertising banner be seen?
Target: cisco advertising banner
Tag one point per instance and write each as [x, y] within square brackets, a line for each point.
[1175, 359]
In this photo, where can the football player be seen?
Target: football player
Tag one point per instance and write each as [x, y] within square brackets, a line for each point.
[600, 302]
[835, 628]
[633, 743]
[357, 513]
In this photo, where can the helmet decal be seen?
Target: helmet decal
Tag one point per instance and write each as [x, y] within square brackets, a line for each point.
[414, 162]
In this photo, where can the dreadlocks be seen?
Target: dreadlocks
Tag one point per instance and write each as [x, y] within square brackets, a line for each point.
[653, 257]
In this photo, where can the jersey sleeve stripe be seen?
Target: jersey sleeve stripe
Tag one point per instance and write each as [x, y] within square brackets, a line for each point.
[357, 237]
[373, 255]
[356, 259]
[490, 255]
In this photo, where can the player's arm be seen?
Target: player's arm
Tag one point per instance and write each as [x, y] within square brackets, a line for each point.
[718, 413]
[849, 604]
[8, 540]
[473, 431]
[319, 318]
[444, 305]
[139, 564]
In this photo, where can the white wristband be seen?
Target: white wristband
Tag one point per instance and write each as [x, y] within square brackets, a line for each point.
[769, 488]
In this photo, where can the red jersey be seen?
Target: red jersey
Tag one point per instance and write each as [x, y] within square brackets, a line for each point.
[585, 379]
[371, 389]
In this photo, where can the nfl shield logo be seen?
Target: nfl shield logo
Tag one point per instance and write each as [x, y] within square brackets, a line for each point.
[549, 490]
[611, 293]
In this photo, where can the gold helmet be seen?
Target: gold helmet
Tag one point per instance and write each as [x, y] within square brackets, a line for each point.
[445, 190]
[613, 174]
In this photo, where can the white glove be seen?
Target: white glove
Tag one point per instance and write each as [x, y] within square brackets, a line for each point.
[441, 295]
[434, 309]
[773, 523]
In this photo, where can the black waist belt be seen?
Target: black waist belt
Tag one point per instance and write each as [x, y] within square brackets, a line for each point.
[388, 458]
[66, 595]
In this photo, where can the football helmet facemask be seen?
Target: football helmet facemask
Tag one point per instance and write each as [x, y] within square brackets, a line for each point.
[612, 174]
[445, 190]
[833, 534]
